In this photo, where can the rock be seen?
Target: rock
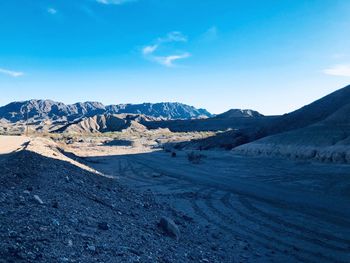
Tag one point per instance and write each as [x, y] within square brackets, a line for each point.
[169, 227]
[91, 248]
[38, 199]
[156, 175]
[22, 200]
[103, 226]
[55, 222]
[55, 204]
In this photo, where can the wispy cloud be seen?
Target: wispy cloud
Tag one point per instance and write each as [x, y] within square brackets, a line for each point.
[149, 49]
[174, 36]
[338, 70]
[52, 11]
[11, 73]
[114, 2]
[166, 60]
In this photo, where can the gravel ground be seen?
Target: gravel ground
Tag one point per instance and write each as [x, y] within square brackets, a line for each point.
[54, 211]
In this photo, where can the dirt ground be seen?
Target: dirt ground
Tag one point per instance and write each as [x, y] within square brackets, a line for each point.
[267, 209]
[234, 208]
[10, 144]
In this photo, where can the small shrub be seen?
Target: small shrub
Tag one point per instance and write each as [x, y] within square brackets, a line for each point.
[195, 158]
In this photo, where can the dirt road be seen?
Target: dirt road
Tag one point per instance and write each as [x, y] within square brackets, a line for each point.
[262, 209]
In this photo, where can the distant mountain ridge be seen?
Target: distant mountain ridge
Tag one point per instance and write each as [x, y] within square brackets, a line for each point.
[48, 109]
[239, 113]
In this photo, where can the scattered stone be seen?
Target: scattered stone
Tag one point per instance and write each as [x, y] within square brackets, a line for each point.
[55, 222]
[38, 199]
[187, 218]
[70, 243]
[26, 192]
[22, 200]
[91, 248]
[103, 226]
[55, 204]
[156, 175]
[73, 220]
[169, 227]
[43, 228]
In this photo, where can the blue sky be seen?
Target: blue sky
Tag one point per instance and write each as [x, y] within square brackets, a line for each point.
[269, 55]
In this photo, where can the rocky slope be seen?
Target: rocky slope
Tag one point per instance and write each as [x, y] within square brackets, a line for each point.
[232, 119]
[55, 210]
[47, 109]
[166, 110]
[312, 113]
[319, 130]
[327, 140]
[105, 123]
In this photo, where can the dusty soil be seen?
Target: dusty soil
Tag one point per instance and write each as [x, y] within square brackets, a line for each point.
[12, 143]
[260, 209]
[228, 207]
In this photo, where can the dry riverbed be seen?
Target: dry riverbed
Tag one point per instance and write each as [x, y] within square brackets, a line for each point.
[102, 201]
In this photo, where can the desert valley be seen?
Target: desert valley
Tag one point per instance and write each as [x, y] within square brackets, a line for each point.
[167, 182]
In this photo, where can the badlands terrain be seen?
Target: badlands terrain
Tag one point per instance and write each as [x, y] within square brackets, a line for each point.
[171, 183]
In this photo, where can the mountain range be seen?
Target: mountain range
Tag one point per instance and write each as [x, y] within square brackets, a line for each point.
[39, 110]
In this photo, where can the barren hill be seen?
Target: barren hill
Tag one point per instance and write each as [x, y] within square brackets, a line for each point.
[326, 140]
[105, 123]
[239, 113]
[232, 119]
[312, 113]
[323, 124]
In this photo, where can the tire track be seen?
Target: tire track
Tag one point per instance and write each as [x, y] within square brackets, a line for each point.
[277, 220]
[228, 220]
[239, 235]
[285, 230]
[308, 252]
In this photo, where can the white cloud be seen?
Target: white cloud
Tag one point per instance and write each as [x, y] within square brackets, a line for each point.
[11, 73]
[338, 70]
[149, 49]
[52, 11]
[168, 60]
[114, 2]
[174, 36]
